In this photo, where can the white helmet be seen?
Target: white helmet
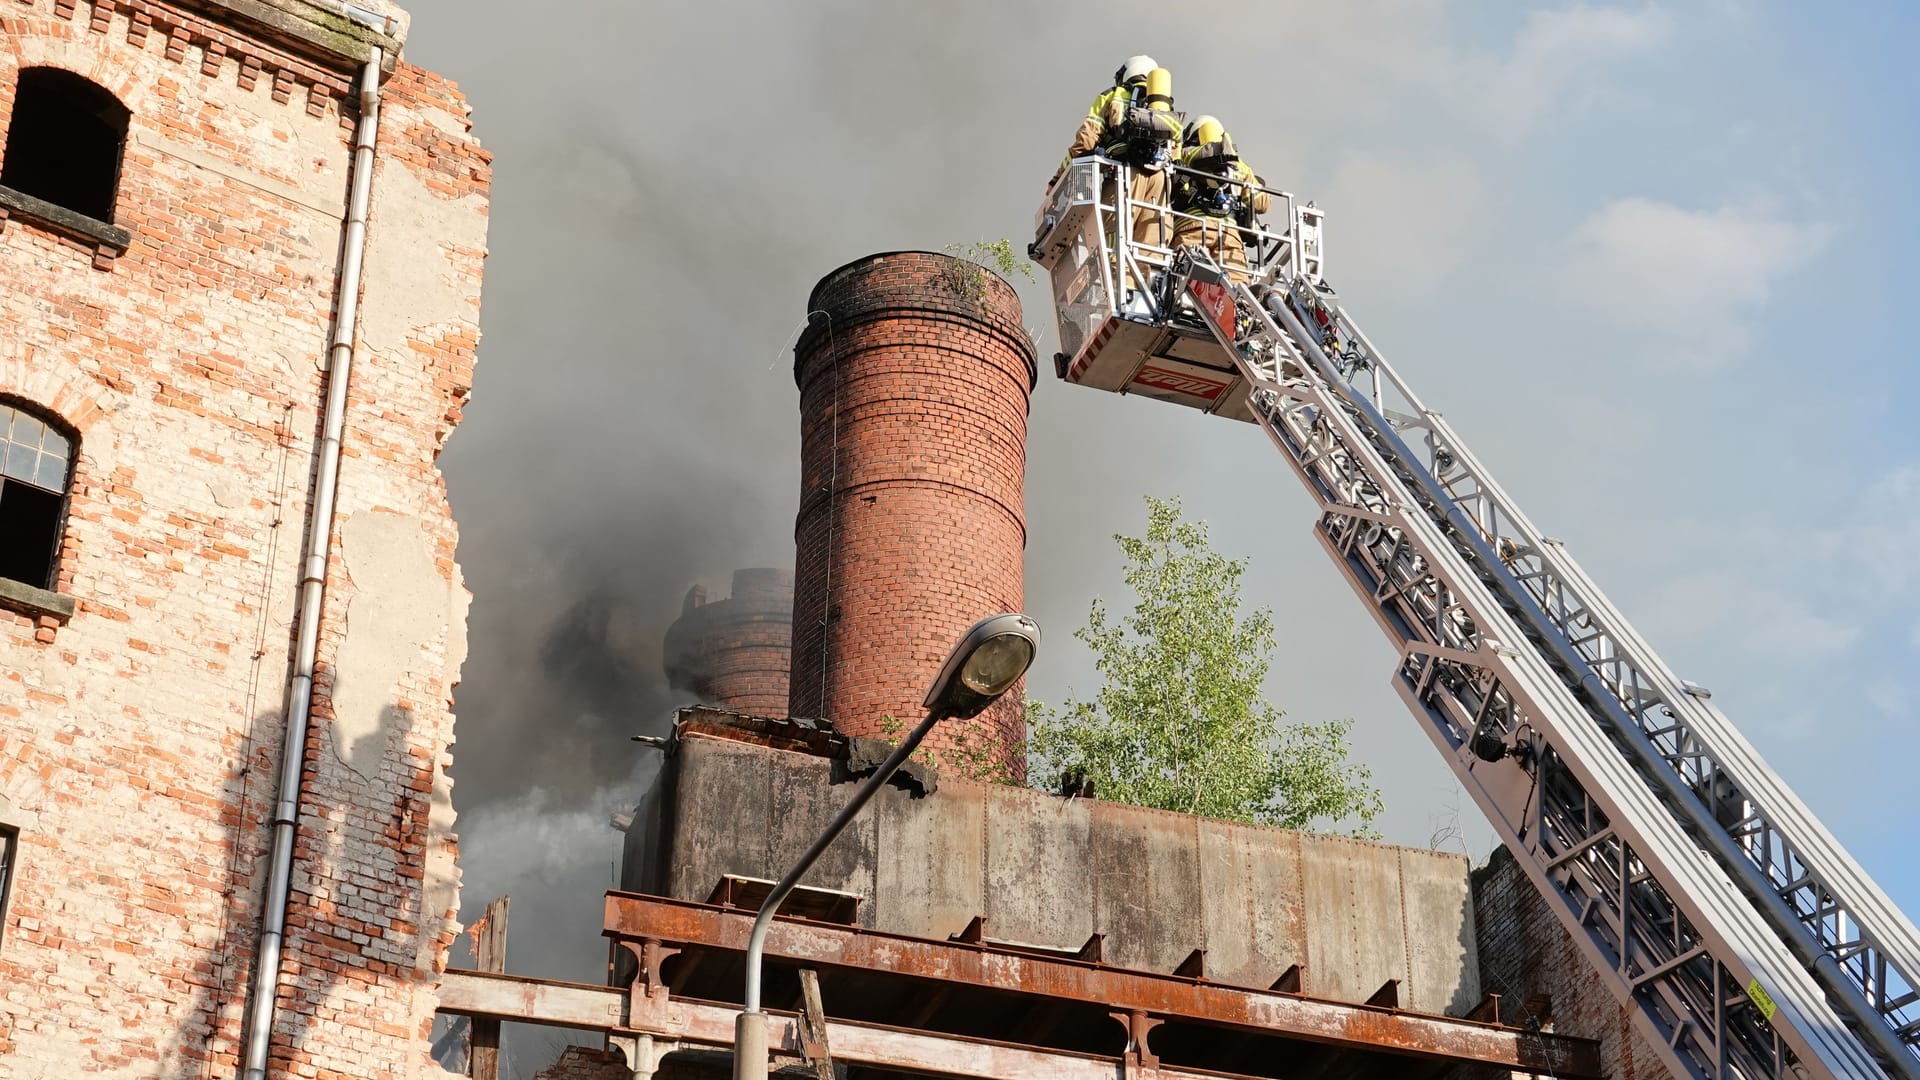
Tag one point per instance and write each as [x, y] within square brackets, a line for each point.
[1134, 70]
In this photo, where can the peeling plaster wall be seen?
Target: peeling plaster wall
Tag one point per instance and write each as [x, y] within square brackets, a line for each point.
[190, 369]
[399, 607]
[416, 262]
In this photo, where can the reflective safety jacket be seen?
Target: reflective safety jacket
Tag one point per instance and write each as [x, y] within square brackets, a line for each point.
[1207, 197]
[1114, 125]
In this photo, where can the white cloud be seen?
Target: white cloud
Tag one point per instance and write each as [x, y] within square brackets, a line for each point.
[1892, 699]
[1690, 280]
[1783, 630]
[1691, 607]
[1554, 55]
[1879, 539]
[1364, 61]
[1419, 216]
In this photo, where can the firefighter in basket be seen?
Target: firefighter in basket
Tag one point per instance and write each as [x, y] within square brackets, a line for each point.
[1215, 196]
[1133, 122]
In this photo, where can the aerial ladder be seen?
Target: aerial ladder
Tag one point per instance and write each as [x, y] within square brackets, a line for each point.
[1743, 939]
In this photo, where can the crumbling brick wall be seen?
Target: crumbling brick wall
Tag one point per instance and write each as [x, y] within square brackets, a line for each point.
[139, 736]
[586, 1063]
[592, 1063]
[1524, 952]
[915, 375]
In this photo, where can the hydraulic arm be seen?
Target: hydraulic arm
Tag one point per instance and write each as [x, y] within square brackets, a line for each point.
[1745, 940]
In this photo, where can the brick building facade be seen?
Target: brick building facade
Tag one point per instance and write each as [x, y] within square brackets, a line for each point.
[915, 376]
[167, 348]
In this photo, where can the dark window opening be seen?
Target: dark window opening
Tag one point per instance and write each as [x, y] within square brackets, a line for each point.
[9, 843]
[36, 460]
[64, 142]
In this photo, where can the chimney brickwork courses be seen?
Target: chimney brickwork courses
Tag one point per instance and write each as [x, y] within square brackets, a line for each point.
[180, 344]
[733, 653]
[915, 377]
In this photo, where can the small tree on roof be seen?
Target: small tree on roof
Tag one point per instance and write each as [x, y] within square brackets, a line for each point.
[1181, 721]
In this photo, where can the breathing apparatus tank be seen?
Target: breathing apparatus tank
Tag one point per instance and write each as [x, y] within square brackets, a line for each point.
[1149, 128]
[1160, 89]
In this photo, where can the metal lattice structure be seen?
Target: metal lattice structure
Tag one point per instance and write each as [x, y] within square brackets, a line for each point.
[1741, 935]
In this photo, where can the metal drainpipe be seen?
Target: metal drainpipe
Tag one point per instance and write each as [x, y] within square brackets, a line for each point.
[313, 583]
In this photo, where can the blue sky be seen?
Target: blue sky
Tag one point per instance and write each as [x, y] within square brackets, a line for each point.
[1652, 261]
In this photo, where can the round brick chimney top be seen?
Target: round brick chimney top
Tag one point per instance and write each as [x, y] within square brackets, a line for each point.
[915, 375]
[734, 652]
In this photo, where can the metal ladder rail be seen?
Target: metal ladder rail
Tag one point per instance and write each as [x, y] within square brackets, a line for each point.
[1761, 785]
[1867, 939]
[1873, 1008]
[1612, 861]
[1830, 911]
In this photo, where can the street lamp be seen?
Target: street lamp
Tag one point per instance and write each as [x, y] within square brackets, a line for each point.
[983, 665]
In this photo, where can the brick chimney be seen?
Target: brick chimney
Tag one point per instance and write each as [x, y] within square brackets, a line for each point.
[733, 653]
[915, 375]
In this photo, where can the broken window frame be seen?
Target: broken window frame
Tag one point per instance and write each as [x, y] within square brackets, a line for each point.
[42, 94]
[51, 427]
[9, 864]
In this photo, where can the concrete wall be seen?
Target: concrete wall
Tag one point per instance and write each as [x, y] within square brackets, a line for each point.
[139, 736]
[1051, 872]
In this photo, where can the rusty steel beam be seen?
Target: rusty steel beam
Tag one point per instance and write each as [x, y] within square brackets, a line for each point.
[633, 917]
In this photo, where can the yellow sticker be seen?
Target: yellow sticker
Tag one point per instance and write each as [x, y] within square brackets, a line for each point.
[1761, 1001]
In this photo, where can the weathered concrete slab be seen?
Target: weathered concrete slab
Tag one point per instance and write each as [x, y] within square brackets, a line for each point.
[1038, 868]
[1356, 938]
[721, 808]
[1250, 902]
[1440, 932]
[1145, 877]
[802, 802]
[931, 861]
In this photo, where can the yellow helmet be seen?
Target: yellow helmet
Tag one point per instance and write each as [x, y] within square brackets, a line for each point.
[1134, 70]
[1202, 130]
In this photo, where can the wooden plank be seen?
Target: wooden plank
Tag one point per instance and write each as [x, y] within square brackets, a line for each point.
[531, 1001]
[490, 955]
[813, 1026]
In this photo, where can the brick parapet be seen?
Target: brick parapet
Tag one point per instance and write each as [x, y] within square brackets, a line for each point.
[140, 739]
[915, 378]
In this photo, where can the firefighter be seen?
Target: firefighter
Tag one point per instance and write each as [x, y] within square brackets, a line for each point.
[1216, 196]
[1133, 122]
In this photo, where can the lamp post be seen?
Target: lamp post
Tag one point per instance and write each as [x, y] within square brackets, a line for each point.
[988, 659]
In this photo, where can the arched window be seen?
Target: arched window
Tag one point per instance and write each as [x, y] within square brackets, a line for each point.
[64, 142]
[36, 465]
